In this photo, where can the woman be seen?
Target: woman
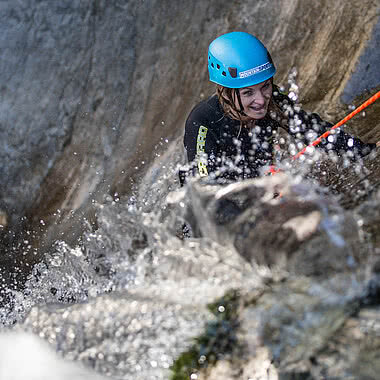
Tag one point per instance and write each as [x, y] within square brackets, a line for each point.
[231, 135]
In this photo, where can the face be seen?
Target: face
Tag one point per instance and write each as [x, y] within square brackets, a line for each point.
[255, 99]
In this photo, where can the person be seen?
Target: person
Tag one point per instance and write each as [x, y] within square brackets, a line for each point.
[231, 135]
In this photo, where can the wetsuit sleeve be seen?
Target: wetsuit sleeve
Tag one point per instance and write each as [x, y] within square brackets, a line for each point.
[306, 127]
[200, 144]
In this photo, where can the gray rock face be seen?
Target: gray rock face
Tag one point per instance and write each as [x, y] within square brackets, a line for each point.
[90, 90]
[63, 98]
[367, 70]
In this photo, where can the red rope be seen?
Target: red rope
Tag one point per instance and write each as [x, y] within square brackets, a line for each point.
[372, 99]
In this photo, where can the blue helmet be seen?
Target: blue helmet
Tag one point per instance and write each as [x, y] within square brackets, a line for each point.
[238, 60]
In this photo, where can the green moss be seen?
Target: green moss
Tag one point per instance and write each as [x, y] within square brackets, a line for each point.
[217, 341]
[185, 365]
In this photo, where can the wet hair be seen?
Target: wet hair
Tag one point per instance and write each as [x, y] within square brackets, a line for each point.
[226, 97]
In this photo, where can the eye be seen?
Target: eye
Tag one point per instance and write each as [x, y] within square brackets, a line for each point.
[247, 93]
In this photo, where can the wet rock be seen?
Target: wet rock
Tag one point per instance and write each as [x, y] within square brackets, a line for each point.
[3, 219]
[107, 99]
[318, 285]
[349, 353]
[90, 122]
[213, 305]
[352, 182]
[352, 350]
[298, 231]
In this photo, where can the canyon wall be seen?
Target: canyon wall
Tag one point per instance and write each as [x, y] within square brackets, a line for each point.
[93, 91]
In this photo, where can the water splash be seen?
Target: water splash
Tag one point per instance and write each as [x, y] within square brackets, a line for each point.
[132, 296]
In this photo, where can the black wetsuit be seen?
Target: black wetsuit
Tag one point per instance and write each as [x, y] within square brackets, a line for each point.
[218, 146]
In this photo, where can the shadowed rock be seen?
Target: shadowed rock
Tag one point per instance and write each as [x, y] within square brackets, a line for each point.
[90, 91]
[300, 230]
[278, 306]
[90, 95]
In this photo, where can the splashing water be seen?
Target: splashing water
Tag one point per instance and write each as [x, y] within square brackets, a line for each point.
[132, 296]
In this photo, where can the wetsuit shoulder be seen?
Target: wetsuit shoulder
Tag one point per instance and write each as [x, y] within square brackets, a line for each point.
[201, 130]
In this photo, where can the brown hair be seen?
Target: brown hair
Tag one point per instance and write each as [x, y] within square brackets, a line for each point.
[226, 97]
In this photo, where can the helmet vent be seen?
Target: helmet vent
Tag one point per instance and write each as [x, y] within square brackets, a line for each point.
[218, 66]
[224, 73]
[233, 72]
[212, 65]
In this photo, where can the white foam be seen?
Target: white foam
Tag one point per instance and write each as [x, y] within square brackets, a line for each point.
[24, 356]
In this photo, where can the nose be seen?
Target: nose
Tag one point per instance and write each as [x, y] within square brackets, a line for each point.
[259, 98]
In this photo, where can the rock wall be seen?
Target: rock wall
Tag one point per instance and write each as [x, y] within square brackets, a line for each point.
[90, 90]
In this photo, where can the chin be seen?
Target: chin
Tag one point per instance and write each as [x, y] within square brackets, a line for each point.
[257, 115]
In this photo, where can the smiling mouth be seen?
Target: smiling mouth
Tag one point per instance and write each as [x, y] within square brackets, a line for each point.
[258, 109]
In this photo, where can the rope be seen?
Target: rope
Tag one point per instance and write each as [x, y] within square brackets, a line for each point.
[372, 99]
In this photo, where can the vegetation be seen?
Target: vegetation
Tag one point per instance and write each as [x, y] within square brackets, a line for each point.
[219, 339]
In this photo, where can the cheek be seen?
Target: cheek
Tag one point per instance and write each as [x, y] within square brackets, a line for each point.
[246, 101]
